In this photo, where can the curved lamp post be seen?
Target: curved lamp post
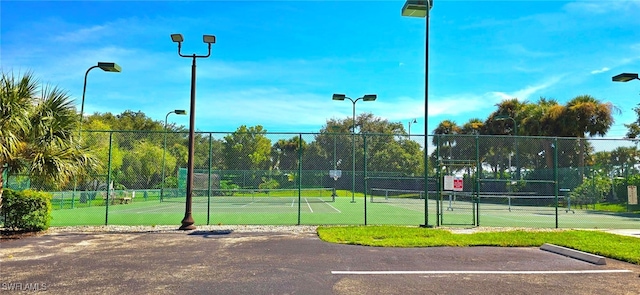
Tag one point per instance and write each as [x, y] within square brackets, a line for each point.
[164, 147]
[411, 122]
[422, 8]
[105, 66]
[515, 132]
[368, 97]
[187, 221]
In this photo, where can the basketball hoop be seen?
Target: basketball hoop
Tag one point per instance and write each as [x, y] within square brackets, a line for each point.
[335, 174]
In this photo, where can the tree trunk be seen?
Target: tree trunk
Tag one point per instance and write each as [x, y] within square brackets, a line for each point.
[548, 153]
[582, 143]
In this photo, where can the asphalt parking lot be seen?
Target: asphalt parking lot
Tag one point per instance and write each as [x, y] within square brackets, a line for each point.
[231, 262]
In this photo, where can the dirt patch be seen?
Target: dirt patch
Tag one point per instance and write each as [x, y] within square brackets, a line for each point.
[10, 235]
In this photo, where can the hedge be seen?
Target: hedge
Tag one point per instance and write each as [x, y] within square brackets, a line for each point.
[26, 210]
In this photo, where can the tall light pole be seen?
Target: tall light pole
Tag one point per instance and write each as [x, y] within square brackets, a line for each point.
[411, 122]
[515, 131]
[187, 221]
[164, 147]
[367, 97]
[422, 8]
[105, 66]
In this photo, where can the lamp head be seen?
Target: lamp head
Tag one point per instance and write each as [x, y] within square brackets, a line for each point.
[180, 112]
[209, 39]
[625, 77]
[414, 121]
[339, 96]
[177, 38]
[416, 8]
[501, 117]
[109, 67]
[369, 97]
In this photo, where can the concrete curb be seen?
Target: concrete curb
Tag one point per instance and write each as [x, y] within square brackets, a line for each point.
[588, 257]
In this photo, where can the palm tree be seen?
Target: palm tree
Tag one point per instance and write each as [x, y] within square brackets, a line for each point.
[446, 131]
[38, 134]
[634, 128]
[587, 115]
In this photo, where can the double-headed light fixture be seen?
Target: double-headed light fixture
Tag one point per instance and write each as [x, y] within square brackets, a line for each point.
[187, 221]
[342, 97]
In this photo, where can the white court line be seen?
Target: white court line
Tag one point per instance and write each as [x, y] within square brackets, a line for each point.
[308, 205]
[402, 206]
[524, 272]
[247, 204]
[334, 208]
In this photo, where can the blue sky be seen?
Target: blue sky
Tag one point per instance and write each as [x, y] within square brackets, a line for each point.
[277, 63]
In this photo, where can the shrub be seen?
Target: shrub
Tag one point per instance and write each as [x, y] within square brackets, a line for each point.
[26, 210]
[228, 187]
[268, 184]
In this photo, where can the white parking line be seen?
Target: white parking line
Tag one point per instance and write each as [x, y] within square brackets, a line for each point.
[524, 272]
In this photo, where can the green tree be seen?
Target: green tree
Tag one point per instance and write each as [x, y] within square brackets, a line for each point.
[98, 140]
[143, 165]
[38, 135]
[387, 149]
[634, 128]
[285, 153]
[445, 140]
[247, 149]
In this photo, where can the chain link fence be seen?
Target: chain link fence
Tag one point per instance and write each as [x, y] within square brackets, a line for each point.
[345, 178]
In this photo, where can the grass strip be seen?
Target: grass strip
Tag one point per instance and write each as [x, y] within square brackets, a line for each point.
[609, 245]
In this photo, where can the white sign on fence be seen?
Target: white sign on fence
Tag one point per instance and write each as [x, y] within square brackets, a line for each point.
[632, 192]
[448, 182]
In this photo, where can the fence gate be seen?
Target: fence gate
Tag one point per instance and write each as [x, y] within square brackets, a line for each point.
[456, 194]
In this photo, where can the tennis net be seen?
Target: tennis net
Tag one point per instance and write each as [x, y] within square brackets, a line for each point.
[390, 195]
[307, 195]
[452, 201]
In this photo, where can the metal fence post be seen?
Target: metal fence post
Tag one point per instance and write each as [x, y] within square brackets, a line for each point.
[106, 215]
[364, 156]
[299, 175]
[209, 179]
[555, 174]
[477, 184]
[426, 177]
[439, 217]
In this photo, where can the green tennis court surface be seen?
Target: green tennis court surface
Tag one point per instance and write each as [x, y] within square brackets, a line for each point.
[318, 207]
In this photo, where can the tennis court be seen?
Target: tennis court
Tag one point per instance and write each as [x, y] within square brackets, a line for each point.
[320, 206]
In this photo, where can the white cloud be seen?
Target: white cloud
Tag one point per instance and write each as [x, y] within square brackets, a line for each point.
[83, 34]
[602, 7]
[521, 51]
[270, 107]
[525, 93]
[605, 69]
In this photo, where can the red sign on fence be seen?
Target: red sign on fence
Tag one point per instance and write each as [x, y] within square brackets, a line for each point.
[457, 184]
